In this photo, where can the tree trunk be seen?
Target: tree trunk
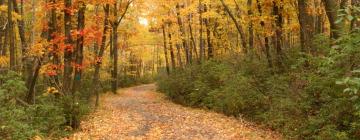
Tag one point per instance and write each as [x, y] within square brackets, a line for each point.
[319, 19]
[201, 40]
[277, 9]
[114, 81]
[115, 25]
[332, 7]
[238, 26]
[34, 76]
[6, 39]
[21, 27]
[98, 57]
[33, 19]
[166, 52]
[11, 36]
[114, 84]
[79, 51]
[355, 23]
[193, 42]
[251, 28]
[27, 64]
[179, 57]
[172, 54]
[307, 25]
[68, 54]
[2, 31]
[182, 35]
[208, 36]
[52, 30]
[267, 46]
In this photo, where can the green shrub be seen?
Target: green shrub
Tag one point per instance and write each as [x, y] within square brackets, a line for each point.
[47, 118]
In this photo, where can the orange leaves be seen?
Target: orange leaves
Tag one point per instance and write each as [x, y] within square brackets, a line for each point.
[90, 35]
[78, 33]
[69, 48]
[50, 70]
[50, 5]
[78, 67]
[53, 70]
[98, 60]
[51, 73]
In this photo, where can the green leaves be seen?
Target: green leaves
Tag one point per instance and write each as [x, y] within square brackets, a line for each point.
[350, 13]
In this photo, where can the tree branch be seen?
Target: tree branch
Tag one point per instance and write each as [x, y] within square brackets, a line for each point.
[123, 15]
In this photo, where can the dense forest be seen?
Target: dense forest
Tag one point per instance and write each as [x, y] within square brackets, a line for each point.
[290, 66]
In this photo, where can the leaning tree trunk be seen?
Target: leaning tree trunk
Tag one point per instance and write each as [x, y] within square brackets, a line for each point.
[238, 26]
[31, 94]
[99, 55]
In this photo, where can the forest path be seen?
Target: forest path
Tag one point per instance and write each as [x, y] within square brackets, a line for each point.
[141, 113]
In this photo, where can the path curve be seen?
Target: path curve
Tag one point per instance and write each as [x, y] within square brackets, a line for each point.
[140, 113]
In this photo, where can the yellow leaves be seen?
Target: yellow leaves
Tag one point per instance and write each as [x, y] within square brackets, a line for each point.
[292, 27]
[3, 8]
[51, 91]
[37, 137]
[37, 50]
[4, 61]
[211, 14]
[90, 7]
[16, 16]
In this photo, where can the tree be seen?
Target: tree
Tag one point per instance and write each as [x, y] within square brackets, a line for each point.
[166, 51]
[238, 26]
[11, 35]
[307, 25]
[99, 55]
[68, 54]
[332, 7]
[79, 51]
[115, 24]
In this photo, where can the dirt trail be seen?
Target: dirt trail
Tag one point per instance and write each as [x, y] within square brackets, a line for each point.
[141, 113]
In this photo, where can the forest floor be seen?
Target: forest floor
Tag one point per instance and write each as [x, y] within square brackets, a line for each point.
[141, 113]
